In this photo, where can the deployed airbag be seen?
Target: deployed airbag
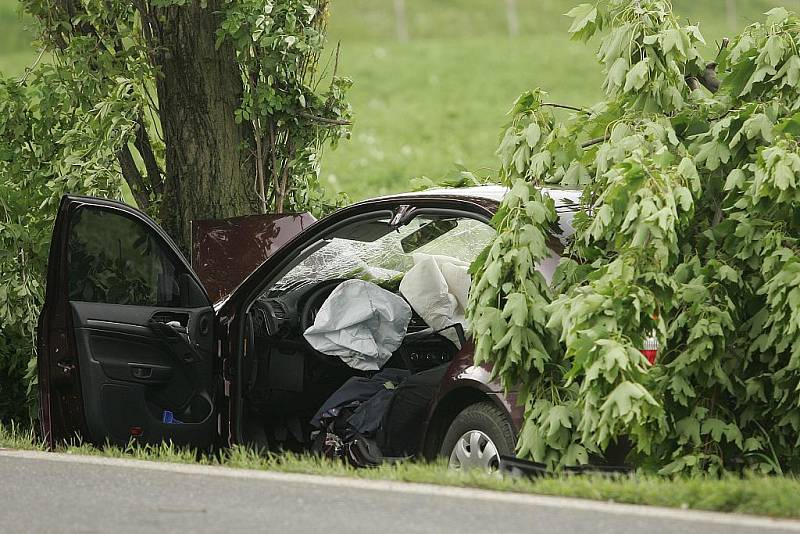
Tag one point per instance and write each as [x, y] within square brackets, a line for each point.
[361, 323]
[437, 287]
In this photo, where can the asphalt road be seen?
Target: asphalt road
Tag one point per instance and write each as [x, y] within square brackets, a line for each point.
[43, 492]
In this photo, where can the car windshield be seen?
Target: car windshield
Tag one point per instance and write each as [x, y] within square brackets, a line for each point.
[374, 251]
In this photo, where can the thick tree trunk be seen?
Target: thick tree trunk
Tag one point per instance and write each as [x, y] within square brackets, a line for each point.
[209, 173]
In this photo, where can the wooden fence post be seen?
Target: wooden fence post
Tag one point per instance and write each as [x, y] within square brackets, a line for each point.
[400, 20]
[513, 18]
[730, 9]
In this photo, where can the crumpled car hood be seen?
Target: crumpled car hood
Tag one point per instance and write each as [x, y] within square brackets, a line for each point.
[226, 251]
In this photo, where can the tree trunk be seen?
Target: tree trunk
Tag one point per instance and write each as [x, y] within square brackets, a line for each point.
[209, 171]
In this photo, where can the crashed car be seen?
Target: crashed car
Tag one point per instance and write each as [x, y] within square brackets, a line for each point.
[344, 336]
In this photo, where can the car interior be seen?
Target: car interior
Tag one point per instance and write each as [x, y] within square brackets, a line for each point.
[286, 378]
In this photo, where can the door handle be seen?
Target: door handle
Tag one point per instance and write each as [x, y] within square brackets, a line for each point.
[178, 342]
[150, 373]
[177, 326]
[142, 373]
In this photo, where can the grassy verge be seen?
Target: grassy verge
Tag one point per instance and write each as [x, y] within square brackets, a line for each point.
[758, 495]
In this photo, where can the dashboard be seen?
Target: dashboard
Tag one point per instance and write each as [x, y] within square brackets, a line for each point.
[283, 318]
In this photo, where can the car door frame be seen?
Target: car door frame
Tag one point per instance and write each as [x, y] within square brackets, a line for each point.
[232, 311]
[61, 418]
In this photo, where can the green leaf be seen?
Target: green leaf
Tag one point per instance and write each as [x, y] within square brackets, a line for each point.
[673, 38]
[584, 16]
[617, 72]
[637, 76]
[575, 455]
[621, 401]
[689, 431]
[777, 15]
[516, 309]
[736, 180]
[774, 50]
[558, 418]
[759, 125]
[532, 134]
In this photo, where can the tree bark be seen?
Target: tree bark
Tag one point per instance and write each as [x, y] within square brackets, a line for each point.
[209, 171]
[134, 178]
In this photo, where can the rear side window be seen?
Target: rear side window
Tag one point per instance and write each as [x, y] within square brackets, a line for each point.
[115, 259]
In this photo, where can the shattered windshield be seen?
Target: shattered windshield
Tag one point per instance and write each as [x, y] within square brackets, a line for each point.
[373, 251]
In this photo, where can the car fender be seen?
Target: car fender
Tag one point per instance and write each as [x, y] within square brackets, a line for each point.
[465, 383]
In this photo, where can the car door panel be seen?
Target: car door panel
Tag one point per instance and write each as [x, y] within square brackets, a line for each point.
[137, 376]
[126, 333]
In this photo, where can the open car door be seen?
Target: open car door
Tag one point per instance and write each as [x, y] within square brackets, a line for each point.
[126, 333]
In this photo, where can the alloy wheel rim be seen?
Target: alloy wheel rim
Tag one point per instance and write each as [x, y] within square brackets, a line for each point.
[475, 450]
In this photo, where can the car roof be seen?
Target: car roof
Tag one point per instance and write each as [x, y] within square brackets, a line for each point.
[565, 199]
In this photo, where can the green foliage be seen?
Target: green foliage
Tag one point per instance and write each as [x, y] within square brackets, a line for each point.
[687, 231]
[278, 46]
[508, 311]
[424, 104]
[86, 121]
[51, 143]
[459, 177]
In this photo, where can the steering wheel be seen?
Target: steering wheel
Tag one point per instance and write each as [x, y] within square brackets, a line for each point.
[308, 313]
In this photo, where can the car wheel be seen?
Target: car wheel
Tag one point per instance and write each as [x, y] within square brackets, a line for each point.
[477, 437]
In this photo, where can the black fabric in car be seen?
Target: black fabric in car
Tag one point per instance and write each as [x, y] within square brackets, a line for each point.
[356, 391]
[406, 411]
[367, 418]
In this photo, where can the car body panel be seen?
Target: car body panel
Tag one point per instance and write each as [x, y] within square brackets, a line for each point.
[231, 310]
[74, 360]
[463, 372]
[226, 251]
[490, 196]
[271, 242]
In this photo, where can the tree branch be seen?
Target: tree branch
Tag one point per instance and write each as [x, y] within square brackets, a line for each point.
[595, 141]
[30, 69]
[133, 177]
[561, 106]
[142, 144]
[324, 120]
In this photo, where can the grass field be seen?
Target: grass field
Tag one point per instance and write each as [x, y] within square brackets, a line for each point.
[439, 99]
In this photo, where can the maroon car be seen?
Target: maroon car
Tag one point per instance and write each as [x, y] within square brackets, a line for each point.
[136, 344]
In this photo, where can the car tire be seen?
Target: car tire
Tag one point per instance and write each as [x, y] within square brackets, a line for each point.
[477, 437]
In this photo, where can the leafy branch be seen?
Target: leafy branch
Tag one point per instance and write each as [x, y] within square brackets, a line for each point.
[686, 232]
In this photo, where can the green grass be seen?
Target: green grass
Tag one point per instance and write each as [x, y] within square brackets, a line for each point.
[422, 106]
[440, 99]
[757, 495]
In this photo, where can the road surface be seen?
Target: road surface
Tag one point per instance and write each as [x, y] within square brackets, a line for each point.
[46, 492]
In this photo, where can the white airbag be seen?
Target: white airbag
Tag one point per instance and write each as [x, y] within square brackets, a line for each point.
[437, 287]
[361, 323]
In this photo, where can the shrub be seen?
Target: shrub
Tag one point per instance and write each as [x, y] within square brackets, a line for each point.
[688, 229]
